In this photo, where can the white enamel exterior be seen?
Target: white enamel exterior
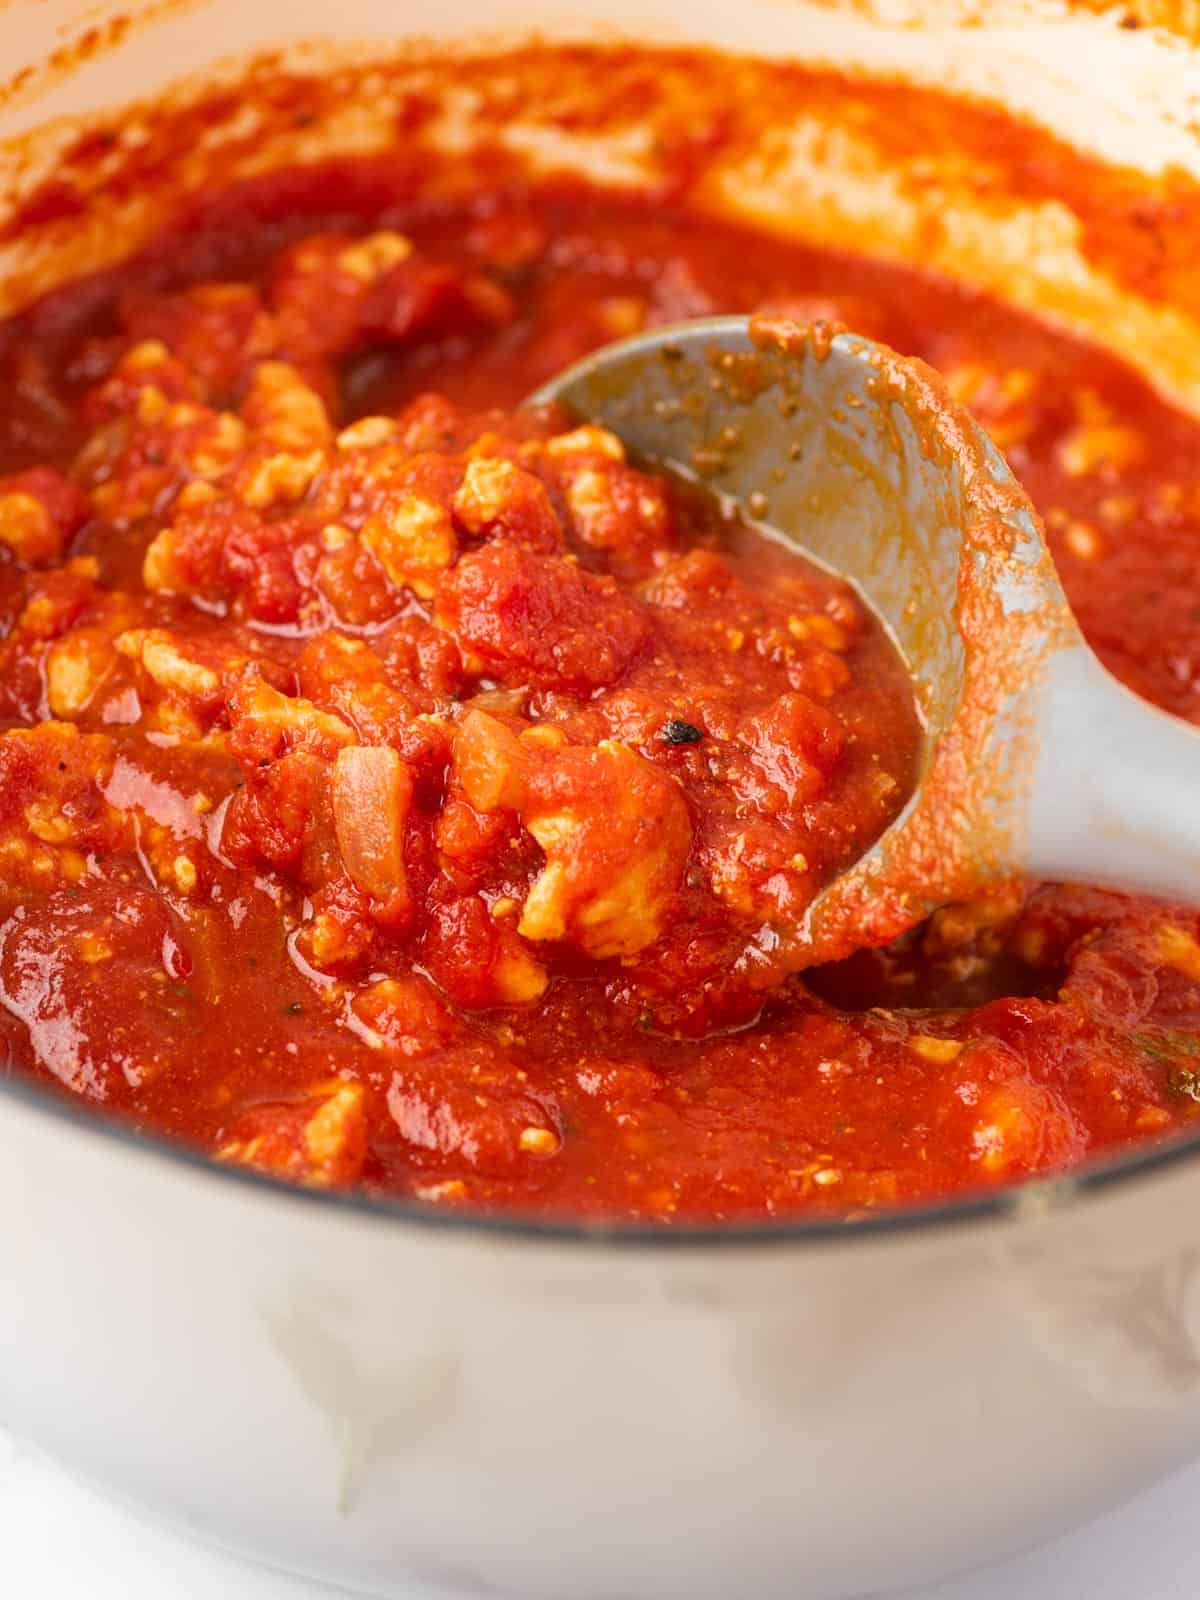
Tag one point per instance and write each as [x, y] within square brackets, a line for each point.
[361, 1397]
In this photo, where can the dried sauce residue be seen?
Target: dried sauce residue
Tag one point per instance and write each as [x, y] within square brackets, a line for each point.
[676, 123]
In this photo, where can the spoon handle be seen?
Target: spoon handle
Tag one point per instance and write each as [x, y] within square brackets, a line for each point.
[1116, 794]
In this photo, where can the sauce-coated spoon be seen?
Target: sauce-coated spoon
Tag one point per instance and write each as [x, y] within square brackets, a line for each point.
[1036, 759]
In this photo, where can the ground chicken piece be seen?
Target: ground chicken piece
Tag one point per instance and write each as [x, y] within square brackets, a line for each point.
[56, 600]
[517, 977]
[39, 512]
[322, 1142]
[398, 505]
[167, 662]
[284, 411]
[265, 723]
[620, 512]
[351, 582]
[368, 433]
[340, 933]
[616, 833]
[375, 480]
[186, 557]
[413, 541]
[586, 440]
[270, 477]
[76, 668]
[499, 500]
[146, 366]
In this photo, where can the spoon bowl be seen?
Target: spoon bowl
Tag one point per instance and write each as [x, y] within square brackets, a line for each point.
[1035, 759]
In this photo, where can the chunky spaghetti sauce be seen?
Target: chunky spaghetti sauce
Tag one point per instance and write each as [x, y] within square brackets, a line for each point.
[393, 783]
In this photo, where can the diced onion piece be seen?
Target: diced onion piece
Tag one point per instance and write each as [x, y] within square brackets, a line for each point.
[372, 793]
[489, 762]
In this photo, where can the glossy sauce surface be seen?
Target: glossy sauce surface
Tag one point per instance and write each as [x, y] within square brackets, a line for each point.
[303, 755]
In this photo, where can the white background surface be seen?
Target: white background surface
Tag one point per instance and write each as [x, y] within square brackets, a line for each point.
[59, 1541]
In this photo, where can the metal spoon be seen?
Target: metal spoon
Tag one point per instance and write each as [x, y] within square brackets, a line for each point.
[1036, 759]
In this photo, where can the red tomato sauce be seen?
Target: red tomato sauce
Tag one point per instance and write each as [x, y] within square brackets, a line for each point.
[394, 785]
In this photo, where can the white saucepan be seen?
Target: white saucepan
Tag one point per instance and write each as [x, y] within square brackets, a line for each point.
[363, 1393]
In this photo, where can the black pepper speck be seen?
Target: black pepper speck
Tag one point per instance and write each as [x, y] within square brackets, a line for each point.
[679, 732]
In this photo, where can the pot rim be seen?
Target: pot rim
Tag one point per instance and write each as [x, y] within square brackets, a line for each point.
[1024, 1198]
[1008, 1203]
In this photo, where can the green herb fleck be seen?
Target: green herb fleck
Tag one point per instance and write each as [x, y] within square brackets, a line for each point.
[1166, 1045]
[1185, 1081]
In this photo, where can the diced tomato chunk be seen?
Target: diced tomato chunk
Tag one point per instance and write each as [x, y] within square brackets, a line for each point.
[540, 620]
